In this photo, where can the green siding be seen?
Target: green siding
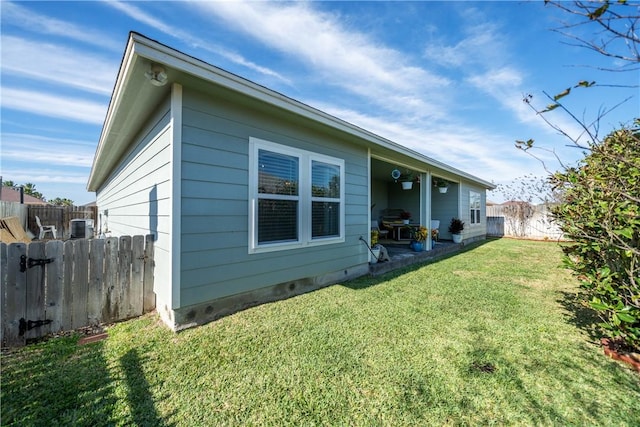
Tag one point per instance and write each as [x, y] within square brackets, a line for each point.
[215, 156]
[444, 206]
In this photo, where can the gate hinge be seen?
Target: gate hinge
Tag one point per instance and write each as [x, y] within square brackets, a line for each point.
[27, 325]
[32, 262]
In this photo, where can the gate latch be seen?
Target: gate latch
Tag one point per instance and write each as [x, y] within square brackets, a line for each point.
[27, 325]
[32, 262]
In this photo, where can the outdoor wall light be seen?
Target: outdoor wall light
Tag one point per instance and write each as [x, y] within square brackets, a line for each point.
[157, 75]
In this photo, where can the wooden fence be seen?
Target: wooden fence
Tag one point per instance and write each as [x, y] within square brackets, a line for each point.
[539, 226]
[59, 216]
[14, 209]
[53, 286]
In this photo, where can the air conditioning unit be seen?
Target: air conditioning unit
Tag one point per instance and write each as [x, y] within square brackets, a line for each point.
[81, 228]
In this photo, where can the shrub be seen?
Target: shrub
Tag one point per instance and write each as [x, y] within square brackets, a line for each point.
[600, 213]
[456, 226]
[420, 234]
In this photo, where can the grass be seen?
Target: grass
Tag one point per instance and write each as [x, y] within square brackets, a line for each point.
[490, 336]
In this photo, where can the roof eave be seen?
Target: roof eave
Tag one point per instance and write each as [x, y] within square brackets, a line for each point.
[141, 47]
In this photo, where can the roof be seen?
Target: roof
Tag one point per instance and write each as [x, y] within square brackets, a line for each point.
[9, 194]
[134, 97]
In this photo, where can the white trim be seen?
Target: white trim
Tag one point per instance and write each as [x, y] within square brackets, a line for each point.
[471, 217]
[369, 199]
[304, 197]
[176, 192]
[426, 178]
[114, 104]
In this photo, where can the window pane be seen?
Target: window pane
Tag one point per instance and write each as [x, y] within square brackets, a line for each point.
[475, 216]
[325, 180]
[325, 219]
[277, 173]
[277, 221]
[474, 200]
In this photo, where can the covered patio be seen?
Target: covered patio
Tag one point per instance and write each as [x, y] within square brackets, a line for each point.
[402, 255]
[403, 193]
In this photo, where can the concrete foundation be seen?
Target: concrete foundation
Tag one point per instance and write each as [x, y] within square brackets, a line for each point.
[199, 314]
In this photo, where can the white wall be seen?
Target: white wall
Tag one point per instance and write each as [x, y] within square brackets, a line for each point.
[473, 230]
[136, 198]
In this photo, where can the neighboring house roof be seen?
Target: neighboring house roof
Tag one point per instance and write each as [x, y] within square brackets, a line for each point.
[9, 194]
[134, 97]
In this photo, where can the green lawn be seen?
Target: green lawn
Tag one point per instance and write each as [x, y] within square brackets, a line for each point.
[490, 336]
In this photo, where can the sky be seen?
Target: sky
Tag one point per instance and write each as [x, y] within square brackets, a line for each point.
[446, 79]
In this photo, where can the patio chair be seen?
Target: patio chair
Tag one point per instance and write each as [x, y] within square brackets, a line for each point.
[44, 229]
[382, 232]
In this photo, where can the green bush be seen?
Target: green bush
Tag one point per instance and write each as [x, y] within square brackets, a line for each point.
[600, 213]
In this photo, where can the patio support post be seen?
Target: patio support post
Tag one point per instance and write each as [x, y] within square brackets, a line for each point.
[426, 178]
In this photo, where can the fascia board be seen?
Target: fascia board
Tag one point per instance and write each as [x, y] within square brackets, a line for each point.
[116, 97]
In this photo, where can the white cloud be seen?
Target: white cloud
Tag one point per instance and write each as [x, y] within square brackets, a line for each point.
[17, 15]
[184, 36]
[505, 85]
[41, 177]
[53, 63]
[37, 149]
[470, 149]
[352, 60]
[75, 109]
[64, 182]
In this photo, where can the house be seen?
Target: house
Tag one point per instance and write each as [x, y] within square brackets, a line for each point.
[251, 196]
[10, 194]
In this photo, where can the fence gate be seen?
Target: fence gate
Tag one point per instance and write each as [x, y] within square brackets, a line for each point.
[55, 286]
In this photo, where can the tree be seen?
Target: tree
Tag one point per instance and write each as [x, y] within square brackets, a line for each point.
[30, 189]
[615, 34]
[600, 209]
[61, 202]
[601, 214]
[522, 194]
[618, 36]
[8, 184]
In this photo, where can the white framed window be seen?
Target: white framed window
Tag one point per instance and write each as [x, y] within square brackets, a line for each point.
[474, 207]
[296, 197]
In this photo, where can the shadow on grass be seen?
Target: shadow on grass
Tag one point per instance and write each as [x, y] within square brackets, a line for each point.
[580, 314]
[488, 365]
[139, 397]
[63, 384]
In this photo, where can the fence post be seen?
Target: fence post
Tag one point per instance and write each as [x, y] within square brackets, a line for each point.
[54, 289]
[80, 283]
[110, 311]
[97, 289]
[137, 275]
[3, 285]
[124, 276]
[149, 297]
[15, 291]
[36, 277]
